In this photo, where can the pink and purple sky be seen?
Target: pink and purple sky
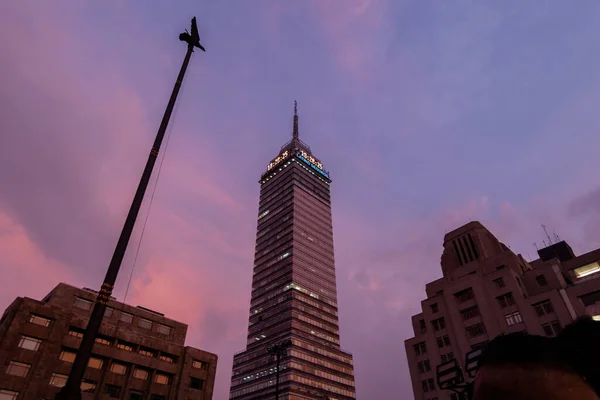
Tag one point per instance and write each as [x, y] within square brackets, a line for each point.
[427, 114]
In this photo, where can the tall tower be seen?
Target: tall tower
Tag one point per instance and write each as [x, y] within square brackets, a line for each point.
[293, 288]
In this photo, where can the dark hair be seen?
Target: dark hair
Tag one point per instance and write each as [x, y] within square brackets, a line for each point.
[576, 349]
[579, 345]
[521, 349]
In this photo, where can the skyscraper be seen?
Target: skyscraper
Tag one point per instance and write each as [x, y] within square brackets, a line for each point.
[293, 288]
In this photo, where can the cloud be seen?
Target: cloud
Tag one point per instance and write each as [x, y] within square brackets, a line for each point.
[22, 260]
[586, 209]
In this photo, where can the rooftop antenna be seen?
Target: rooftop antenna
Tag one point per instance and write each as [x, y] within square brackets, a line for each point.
[556, 237]
[536, 246]
[295, 132]
[548, 236]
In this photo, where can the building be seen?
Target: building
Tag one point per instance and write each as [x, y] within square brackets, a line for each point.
[293, 287]
[487, 290]
[139, 353]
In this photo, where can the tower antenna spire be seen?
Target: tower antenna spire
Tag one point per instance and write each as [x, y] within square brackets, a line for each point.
[547, 236]
[295, 132]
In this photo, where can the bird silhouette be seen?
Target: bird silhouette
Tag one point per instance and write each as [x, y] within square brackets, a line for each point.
[192, 39]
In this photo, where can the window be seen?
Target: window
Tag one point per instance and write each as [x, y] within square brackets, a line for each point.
[140, 374]
[424, 386]
[443, 341]
[506, 300]
[513, 318]
[587, 270]
[543, 308]
[199, 364]
[420, 366]
[450, 356]
[108, 312]
[126, 317]
[196, 383]
[38, 320]
[469, 313]
[166, 358]
[8, 395]
[145, 323]
[590, 298]
[161, 378]
[29, 343]
[464, 295]
[135, 395]
[438, 324]
[58, 380]
[422, 326]
[552, 328]
[431, 384]
[420, 348]
[426, 365]
[434, 308]
[67, 356]
[165, 330]
[95, 362]
[146, 352]
[124, 346]
[112, 391]
[75, 332]
[118, 368]
[18, 368]
[103, 340]
[83, 303]
[88, 386]
[475, 330]
[499, 283]
[541, 280]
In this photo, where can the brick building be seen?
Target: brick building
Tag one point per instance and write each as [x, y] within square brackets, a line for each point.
[487, 290]
[139, 353]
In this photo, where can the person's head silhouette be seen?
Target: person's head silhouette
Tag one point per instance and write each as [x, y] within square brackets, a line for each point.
[521, 366]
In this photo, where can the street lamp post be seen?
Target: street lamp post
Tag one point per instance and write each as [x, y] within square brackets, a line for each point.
[278, 350]
[72, 389]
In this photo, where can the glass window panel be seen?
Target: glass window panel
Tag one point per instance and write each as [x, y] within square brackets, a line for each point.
[68, 356]
[140, 374]
[29, 343]
[8, 394]
[17, 368]
[95, 362]
[145, 323]
[88, 386]
[126, 317]
[58, 380]
[83, 303]
[162, 379]
[118, 368]
[38, 320]
[164, 329]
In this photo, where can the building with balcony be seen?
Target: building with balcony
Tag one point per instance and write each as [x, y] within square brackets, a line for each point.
[487, 290]
[138, 354]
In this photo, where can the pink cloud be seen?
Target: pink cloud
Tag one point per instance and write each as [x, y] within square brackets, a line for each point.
[351, 29]
[31, 273]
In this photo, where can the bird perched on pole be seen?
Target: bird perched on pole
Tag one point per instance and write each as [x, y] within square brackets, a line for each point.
[192, 39]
